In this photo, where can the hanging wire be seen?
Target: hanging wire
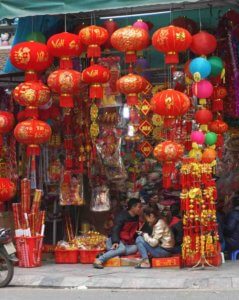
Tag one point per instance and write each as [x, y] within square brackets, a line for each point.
[200, 19]
[65, 22]
[32, 24]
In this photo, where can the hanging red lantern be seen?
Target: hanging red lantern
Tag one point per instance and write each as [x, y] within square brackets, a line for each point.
[171, 40]
[6, 124]
[7, 189]
[168, 153]
[218, 126]
[111, 26]
[32, 94]
[30, 57]
[66, 83]
[131, 85]
[93, 37]
[170, 103]
[203, 43]
[65, 45]
[95, 76]
[203, 116]
[32, 133]
[130, 40]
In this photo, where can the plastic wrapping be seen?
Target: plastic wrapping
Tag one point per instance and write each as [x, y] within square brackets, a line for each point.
[100, 199]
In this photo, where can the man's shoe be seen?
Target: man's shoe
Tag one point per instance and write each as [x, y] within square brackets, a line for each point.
[98, 264]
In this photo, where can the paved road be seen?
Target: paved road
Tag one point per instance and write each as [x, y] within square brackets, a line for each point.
[76, 294]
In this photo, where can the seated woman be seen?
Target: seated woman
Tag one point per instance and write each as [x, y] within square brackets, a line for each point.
[159, 244]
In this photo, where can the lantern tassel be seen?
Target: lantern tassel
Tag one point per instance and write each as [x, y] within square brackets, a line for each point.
[96, 91]
[130, 57]
[167, 170]
[33, 150]
[132, 99]
[93, 51]
[31, 76]
[33, 172]
[171, 58]
[217, 105]
[66, 63]
[66, 100]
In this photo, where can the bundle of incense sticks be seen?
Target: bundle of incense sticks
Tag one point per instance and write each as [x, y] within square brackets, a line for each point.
[69, 229]
[29, 221]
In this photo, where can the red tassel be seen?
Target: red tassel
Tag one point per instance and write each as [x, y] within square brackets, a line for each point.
[93, 51]
[167, 171]
[188, 145]
[1, 140]
[66, 63]
[31, 76]
[130, 57]
[96, 91]
[33, 150]
[69, 162]
[171, 58]
[132, 99]
[66, 100]
[217, 105]
[220, 140]
[68, 144]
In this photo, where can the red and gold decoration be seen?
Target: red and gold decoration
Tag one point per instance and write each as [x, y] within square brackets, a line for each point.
[6, 124]
[203, 43]
[130, 39]
[171, 40]
[7, 189]
[93, 37]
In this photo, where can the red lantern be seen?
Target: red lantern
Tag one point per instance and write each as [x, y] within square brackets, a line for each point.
[170, 103]
[203, 116]
[95, 76]
[186, 23]
[66, 83]
[31, 57]
[7, 189]
[129, 40]
[65, 45]
[93, 37]
[32, 94]
[218, 126]
[168, 153]
[203, 43]
[131, 85]
[219, 93]
[32, 133]
[6, 124]
[111, 26]
[171, 40]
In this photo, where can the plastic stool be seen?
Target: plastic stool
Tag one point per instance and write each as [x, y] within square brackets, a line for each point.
[234, 255]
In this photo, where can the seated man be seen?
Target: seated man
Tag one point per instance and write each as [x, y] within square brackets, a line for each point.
[122, 240]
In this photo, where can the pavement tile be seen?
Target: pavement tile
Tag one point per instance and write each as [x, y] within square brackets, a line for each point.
[104, 282]
[220, 283]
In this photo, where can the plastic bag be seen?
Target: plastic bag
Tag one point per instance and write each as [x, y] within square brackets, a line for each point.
[100, 199]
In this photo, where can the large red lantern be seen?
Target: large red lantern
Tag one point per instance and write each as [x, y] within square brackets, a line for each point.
[7, 189]
[203, 43]
[65, 45]
[95, 76]
[6, 124]
[111, 26]
[93, 37]
[66, 83]
[203, 116]
[32, 94]
[168, 153]
[131, 85]
[32, 133]
[30, 57]
[170, 103]
[130, 40]
[171, 40]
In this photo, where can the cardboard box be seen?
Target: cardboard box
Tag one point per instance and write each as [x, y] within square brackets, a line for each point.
[113, 262]
[166, 262]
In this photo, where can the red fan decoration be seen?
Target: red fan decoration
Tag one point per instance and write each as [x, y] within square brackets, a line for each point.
[7, 189]
[171, 40]
[203, 43]
[186, 23]
[6, 124]
[130, 40]
[111, 26]
[66, 83]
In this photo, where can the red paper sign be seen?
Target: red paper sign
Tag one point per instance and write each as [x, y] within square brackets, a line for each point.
[146, 148]
[146, 128]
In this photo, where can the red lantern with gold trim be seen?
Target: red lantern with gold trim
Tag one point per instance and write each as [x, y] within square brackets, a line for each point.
[32, 94]
[66, 83]
[130, 40]
[6, 124]
[7, 189]
[93, 37]
[65, 45]
[32, 133]
[131, 85]
[171, 40]
[203, 43]
[168, 153]
[30, 57]
[219, 93]
[95, 76]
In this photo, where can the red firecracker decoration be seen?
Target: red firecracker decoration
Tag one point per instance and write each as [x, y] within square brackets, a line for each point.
[93, 37]
[171, 40]
[168, 153]
[65, 45]
[66, 83]
[131, 85]
[170, 103]
[95, 76]
[6, 124]
[130, 40]
[203, 43]
[32, 94]
[7, 189]
[219, 93]
[30, 57]
[111, 26]
[32, 133]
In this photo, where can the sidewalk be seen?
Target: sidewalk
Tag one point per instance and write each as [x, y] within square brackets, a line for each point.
[85, 277]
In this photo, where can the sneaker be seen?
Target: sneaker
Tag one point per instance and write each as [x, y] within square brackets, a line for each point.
[98, 264]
